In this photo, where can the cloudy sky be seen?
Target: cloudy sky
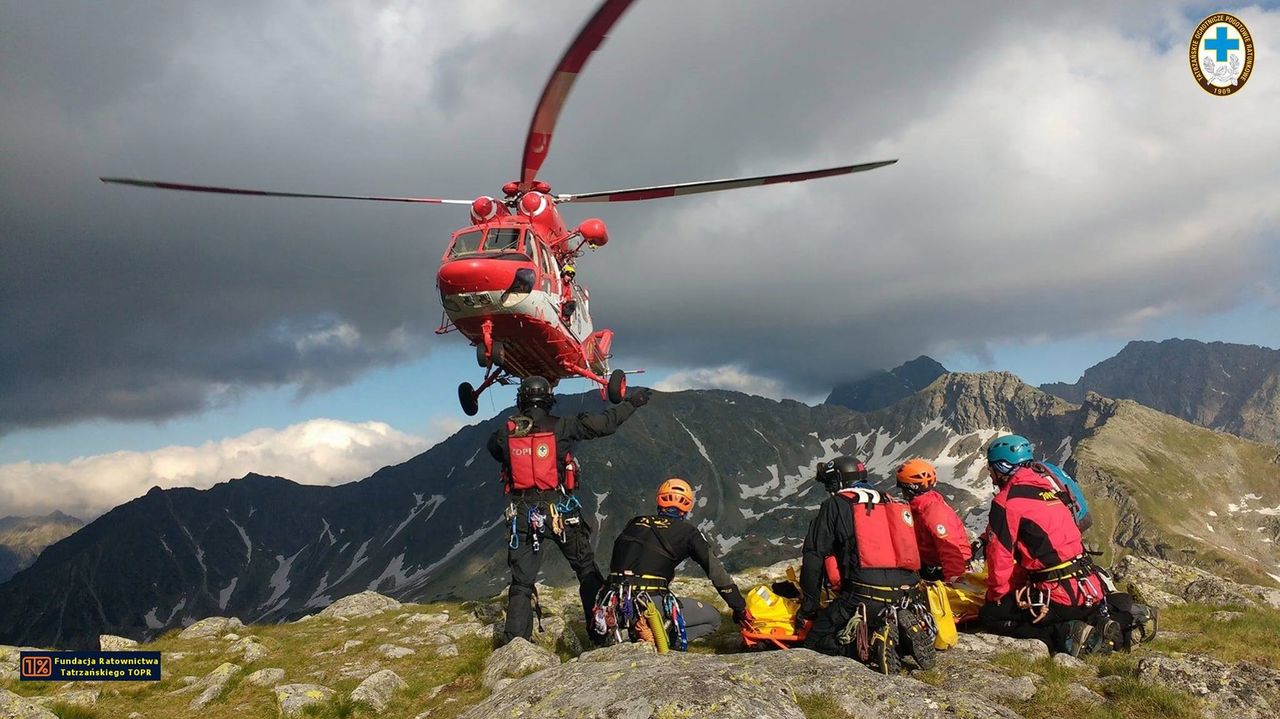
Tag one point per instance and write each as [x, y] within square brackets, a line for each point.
[1064, 185]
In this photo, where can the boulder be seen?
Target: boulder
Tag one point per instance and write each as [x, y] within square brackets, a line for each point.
[961, 674]
[629, 683]
[364, 604]
[378, 689]
[1067, 661]
[358, 670]
[211, 627]
[249, 649]
[293, 698]
[78, 697]
[1225, 616]
[266, 677]
[211, 686]
[391, 651]
[13, 706]
[351, 644]
[1084, 696]
[1245, 691]
[516, 659]
[446, 650]
[112, 643]
[996, 644]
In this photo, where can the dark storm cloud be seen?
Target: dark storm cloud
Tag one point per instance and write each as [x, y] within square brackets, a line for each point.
[1043, 166]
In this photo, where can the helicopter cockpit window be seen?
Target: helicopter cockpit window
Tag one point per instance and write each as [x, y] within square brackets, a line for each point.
[466, 243]
[503, 239]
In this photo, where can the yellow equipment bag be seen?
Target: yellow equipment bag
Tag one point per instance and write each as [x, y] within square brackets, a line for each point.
[967, 595]
[940, 608]
[770, 612]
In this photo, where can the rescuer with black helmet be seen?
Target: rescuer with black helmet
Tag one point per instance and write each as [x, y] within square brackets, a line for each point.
[864, 543]
[540, 475]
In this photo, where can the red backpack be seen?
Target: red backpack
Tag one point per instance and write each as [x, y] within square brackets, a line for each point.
[535, 461]
[884, 529]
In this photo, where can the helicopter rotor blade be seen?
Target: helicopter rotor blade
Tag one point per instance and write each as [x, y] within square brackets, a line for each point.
[693, 188]
[267, 193]
[543, 124]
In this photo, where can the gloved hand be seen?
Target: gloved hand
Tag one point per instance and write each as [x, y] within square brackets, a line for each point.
[639, 396]
[931, 574]
[742, 617]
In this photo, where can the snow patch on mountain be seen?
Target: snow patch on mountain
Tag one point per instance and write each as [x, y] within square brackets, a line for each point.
[248, 546]
[419, 505]
[702, 449]
[458, 548]
[356, 561]
[473, 457]
[279, 582]
[224, 596]
[153, 621]
[600, 516]
[395, 571]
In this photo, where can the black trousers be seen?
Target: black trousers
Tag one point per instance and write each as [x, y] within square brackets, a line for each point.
[525, 564]
[831, 620]
[1007, 619]
[700, 619]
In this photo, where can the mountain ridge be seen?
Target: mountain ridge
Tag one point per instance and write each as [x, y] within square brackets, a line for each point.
[1224, 386]
[268, 549]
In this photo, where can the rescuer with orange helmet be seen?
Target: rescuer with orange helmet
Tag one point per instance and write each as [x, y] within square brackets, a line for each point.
[944, 545]
[645, 557]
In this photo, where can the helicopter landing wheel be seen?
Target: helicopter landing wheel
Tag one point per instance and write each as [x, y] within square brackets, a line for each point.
[467, 398]
[617, 386]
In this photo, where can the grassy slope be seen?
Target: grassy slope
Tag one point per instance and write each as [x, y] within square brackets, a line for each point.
[1177, 473]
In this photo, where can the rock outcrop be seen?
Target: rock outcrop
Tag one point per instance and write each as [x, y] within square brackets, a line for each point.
[364, 604]
[630, 682]
[1243, 691]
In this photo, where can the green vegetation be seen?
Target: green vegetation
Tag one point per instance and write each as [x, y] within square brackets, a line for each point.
[339, 706]
[816, 706]
[1253, 635]
[72, 711]
[1127, 698]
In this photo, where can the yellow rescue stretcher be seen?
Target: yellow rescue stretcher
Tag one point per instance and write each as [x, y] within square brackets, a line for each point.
[773, 609]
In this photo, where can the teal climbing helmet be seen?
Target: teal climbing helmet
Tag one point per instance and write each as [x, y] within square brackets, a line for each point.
[1005, 453]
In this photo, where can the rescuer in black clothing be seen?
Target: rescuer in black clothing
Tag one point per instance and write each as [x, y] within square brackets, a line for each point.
[873, 615]
[646, 554]
[540, 483]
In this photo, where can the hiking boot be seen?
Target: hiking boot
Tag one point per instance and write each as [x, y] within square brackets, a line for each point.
[1106, 638]
[1078, 633]
[916, 638]
[884, 649]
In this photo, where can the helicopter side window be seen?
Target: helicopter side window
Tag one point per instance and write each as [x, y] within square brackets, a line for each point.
[503, 239]
[465, 244]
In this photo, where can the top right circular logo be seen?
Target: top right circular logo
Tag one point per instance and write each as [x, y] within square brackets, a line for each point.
[1221, 54]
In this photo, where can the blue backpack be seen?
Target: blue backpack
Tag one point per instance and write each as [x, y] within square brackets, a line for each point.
[1074, 496]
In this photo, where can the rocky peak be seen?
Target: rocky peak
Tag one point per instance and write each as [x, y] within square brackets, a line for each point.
[882, 388]
[1230, 387]
[967, 402]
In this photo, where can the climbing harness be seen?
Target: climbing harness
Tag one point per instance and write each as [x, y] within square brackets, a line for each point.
[537, 522]
[513, 535]
[1034, 599]
[672, 606]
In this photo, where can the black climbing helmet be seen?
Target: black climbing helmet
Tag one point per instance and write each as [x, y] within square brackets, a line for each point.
[534, 391]
[841, 473]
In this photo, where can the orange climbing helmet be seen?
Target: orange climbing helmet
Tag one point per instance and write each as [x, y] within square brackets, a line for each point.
[917, 475]
[675, 493]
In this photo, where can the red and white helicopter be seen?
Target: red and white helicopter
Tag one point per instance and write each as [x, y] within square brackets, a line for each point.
[501, 279]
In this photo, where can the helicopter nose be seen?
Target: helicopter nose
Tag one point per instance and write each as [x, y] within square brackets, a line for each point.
[475, 275]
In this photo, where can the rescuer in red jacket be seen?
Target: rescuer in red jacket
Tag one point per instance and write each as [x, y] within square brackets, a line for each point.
[1040, 582]
[943, 542]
